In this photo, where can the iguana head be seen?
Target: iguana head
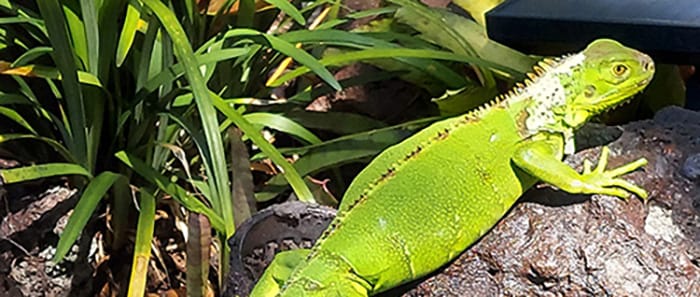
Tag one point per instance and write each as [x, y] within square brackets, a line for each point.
[608, 76]
[568, 91]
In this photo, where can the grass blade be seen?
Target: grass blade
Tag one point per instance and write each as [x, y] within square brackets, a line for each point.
[46, 72]
[89, 200]
[464, 31]
[142, 246]
[17, 118]
[173, 72]
[283, 124]
[207, 113]
[287, 49]
[16, 175]
[367, 54]
[126, 38]
[31, 55]
[92, 34]
[52, 12]
[292, 176]
[53, 143]
[287, 7]
[466, 48]
[371, 41]
[337, 122]
[178, 193]
[339, 151]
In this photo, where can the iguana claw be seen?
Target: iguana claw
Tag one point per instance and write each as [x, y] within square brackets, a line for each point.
[605, 182]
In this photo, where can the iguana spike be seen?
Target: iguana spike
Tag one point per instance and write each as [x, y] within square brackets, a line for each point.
[520, 85]
[538, 70]
[549, 61]
[531, 75]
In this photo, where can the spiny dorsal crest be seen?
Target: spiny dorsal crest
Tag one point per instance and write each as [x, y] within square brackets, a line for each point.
[543, 68]
[542, 85]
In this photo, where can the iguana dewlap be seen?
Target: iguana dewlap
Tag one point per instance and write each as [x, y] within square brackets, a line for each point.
[422, 202]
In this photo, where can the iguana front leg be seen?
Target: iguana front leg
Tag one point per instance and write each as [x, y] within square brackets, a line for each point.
[541, 159]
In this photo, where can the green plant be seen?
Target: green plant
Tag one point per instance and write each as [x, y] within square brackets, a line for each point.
[109, 110]
[140, 92]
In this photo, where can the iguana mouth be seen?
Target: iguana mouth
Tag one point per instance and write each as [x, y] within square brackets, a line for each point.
[643, 82]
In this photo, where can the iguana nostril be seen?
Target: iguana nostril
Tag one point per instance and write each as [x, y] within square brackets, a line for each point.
[648, 66]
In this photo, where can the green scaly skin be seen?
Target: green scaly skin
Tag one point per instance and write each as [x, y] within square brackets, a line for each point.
[422, 202]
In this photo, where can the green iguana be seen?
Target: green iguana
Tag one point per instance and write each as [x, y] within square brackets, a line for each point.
[422, 202]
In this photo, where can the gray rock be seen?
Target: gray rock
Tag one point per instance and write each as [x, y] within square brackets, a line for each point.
[558, 244]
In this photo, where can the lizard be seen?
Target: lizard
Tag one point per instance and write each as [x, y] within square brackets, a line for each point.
[422, 202]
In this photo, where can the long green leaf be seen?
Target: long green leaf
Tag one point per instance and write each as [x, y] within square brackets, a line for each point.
[369, 41]
[92, 34]
[246, 13]
[466, 48]
[282, 123]
[51, 142]
[49, 73]
[150, 53]
[200, 142]
[17, 118]
[292, 176]
[289, 9]
[357, 15]
[142, 246]
[337, 122]
[12, 98]
[393, 53]
[52, 12]
[76, 32]
[111, 18]
[178, 193]
[21, 174]
[465, 31]
[31, 55]
[173, 72]
[281, 46]
[207, 113]
[126, 38]
[339, 151]
[89, 200]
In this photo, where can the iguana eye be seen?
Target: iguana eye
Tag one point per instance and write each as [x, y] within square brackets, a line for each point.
[619, 69]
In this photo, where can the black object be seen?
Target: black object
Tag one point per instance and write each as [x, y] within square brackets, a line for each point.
[667, 30]
[277, 228]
